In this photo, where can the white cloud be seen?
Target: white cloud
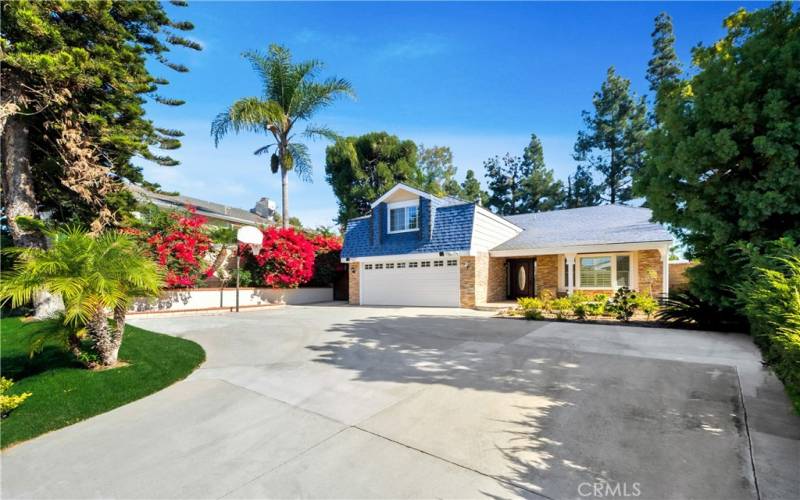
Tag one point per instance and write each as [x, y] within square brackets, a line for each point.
[418, 46]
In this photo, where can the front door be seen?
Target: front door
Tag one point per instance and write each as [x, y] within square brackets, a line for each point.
[521, 277]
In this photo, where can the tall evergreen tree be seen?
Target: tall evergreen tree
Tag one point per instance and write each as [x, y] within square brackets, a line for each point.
[614, 137]
[507, 191]
[74, 83]
[360, 169]
[581, 190]
[541, 191]
[471, 189]
[723, 164]
[664, 65]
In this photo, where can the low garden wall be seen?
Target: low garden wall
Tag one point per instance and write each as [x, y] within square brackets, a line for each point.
[215, 298]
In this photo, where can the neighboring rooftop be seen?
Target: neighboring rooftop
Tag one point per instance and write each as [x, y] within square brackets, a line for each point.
[603, 224]
[208, 209]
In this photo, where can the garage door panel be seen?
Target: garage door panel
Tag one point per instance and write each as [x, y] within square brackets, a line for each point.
[411, 286]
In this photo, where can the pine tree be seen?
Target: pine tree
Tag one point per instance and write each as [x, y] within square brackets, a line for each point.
[614, 137]
[471, 189]
[664, 65]
[506, 183]
[581, 189]
[541, 191]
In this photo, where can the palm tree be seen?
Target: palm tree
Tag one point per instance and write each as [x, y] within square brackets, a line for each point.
[96, 275]
[290, 95]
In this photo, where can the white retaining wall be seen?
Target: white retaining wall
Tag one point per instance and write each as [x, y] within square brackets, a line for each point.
[209, 298]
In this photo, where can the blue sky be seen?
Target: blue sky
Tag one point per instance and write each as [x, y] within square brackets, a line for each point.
[477, 77]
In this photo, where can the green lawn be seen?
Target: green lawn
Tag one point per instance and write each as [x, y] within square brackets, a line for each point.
[65, 393]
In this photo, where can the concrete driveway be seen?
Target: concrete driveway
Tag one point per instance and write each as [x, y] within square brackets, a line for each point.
[333, 401]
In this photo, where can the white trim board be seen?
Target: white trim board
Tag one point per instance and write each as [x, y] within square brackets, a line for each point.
[405, 257]
[398, 187]
[600, 248]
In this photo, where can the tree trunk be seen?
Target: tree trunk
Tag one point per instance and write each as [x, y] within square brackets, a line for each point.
[20, 201]
[103, 338]
[284, 196]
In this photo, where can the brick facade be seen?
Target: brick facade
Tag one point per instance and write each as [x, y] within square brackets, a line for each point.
[546, 274]
[678, 280]
[466, 278]
[497, 280]
[650, 270]
[354, 279]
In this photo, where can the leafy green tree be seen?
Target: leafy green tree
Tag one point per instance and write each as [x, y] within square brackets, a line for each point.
[360, 169]
[438, 171]
[723, 164]
[290, 95]
[75, 81]
[542, 191]
[471, 189]
[664, 65]
[614, 137]
[93, 275]
[581, 189]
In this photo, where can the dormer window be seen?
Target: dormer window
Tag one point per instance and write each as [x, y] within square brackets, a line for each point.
[403, 216]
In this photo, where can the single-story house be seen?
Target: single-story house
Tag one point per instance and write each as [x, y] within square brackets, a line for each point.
[418, 249]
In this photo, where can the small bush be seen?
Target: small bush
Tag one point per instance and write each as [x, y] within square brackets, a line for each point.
[581, 311]
[533, 314]
[647, 304]
[9, 402]
[529, 303]
[686, 309]
[624, 304]
[561, 308]
[578, 298]
[594, 308]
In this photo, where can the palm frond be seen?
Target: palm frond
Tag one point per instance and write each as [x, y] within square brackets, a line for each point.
[250, 114]
[313, 96]
[302, 161]
[263, 149]
[320, 131]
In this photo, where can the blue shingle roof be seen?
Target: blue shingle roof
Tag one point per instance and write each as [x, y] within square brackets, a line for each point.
[452, 232]
[585, 226]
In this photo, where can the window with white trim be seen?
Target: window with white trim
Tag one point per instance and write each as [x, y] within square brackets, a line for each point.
[401, 265]
[378, 266]
[390, 265]
[403, 217]
[367, 266]
[438, 263]
[425, 263]
[611, 271]
[452, 262]
[412, 264]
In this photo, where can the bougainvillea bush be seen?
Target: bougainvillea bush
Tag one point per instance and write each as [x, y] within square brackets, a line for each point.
[179, 242]
[290, 258]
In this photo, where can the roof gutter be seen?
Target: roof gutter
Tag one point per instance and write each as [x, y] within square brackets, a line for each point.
[596, 248]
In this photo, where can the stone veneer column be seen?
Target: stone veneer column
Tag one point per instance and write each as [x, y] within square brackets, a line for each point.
[466, 278]
[354, 280]
[546, 274]
[650, 272]
[497, 284]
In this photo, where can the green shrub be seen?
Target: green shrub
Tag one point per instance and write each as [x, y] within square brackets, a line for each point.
[647, 304]
[9, 402]
[686, 309]
[561, 308]
[581, 311]
[770, 298]
[534, 314]
[624, 304]
[529, 303]
[594, 308]
[578, 298]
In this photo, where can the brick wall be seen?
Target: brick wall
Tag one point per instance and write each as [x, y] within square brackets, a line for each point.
[651, 272]
[678, 280]
[547, 273]
[354, 278]
[497, 280]
[466, 278]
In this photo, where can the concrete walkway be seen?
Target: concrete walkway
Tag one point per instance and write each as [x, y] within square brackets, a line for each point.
[356, 402]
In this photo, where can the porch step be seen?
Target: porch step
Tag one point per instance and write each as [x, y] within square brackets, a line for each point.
[496, 306]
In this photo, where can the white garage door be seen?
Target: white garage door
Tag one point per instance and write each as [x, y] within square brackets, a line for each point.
[429, 282]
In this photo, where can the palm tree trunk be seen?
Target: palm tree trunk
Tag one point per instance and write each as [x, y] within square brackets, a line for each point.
[103, 339]
[284, 196]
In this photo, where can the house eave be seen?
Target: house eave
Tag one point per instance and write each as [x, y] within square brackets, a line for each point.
[405, 256]
[661, 245]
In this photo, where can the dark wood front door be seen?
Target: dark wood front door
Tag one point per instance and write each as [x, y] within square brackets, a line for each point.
[521, 277]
